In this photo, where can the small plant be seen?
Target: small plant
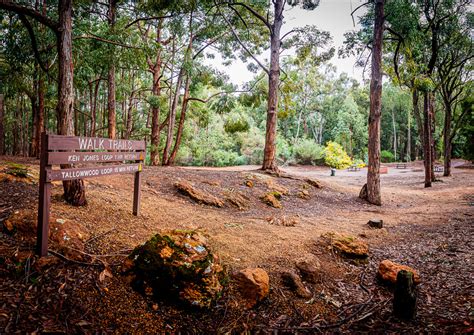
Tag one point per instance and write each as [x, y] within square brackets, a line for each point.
[359, 163]
[17, 170]
[336, 157]
[386, 156]
[308, 152]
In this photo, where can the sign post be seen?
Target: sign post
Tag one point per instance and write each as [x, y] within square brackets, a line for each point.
[56, 150]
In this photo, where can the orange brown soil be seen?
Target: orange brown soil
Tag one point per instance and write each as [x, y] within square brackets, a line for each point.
[427, 229]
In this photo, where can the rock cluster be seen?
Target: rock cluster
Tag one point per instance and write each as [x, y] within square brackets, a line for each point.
[176, 264]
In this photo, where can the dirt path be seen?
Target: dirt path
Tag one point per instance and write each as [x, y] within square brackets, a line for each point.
[422, 226]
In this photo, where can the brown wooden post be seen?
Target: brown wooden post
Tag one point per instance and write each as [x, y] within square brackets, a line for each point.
[137, 190]
[44, 202]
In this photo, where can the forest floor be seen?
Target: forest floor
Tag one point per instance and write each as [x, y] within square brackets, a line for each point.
[430, 230]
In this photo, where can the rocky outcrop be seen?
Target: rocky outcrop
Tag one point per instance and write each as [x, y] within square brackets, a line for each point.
[176, 264]
[388, 271]
[253, 284]
[200, 196]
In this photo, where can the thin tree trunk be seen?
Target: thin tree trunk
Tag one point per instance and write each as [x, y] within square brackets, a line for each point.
[156, 90]
[182, 118]
[112, 126]
[128, 126]
[447, 145]
[432, 129]
[408, 157]
[427, 138]
[94, 96]
[172, 119]
[74, 190]
[269, 153]
[2, 128]
[394, 137]
[418, 118]
[372, 193]
[40, 124]
[34, 117]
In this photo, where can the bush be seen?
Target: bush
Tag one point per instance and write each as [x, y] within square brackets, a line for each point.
[283, 149]
[387, 157]
[308, 152]
[359, 163]
[221, 158]
[336, 157]
[252, 144]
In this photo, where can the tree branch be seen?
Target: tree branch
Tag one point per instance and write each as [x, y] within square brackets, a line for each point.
[254, 13]
[243, 45]
[34, 14]
[101, 39]
[149, 19]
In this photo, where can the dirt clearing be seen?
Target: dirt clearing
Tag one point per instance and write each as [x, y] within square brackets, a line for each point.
[428, 229]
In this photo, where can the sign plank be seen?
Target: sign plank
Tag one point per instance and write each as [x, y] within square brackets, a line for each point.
[59, 142]
[98, 171]
[93, 157]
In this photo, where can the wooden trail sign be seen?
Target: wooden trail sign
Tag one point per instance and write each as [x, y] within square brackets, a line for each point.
[87, 151]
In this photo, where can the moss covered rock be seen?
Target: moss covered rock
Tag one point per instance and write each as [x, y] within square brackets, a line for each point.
[176, 264]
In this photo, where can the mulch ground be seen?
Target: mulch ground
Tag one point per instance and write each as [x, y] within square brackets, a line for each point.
[63, 296]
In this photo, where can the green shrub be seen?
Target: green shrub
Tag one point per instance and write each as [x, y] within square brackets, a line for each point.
[336, 157]
[283, 149]
[252, 144]
[308, 152]
[221, 158]
[236, 123]
[17, 170]
[386, 156]
[359, 163]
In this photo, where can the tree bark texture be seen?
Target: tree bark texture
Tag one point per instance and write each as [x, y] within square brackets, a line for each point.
[74, 190]
[404, 299]
[112, 127]
[373, 173]
[269, 152]
[2, 128]
[418, 118]
[182, 118]
[156, 91]
[427, 138]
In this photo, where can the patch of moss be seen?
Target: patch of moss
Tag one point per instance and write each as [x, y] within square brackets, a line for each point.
[17, 170]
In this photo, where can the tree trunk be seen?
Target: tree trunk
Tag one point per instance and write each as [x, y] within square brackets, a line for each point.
[269, 153]
[408, 156]
[427, 138]
[432, 131]
[112, 127]
[2, 128]
[394, 136]
[182, 118]
[447, 145]
[40, 125]
[172, 119]
[373, 172]
[74, 191]
[418, 118]
[156, 90]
